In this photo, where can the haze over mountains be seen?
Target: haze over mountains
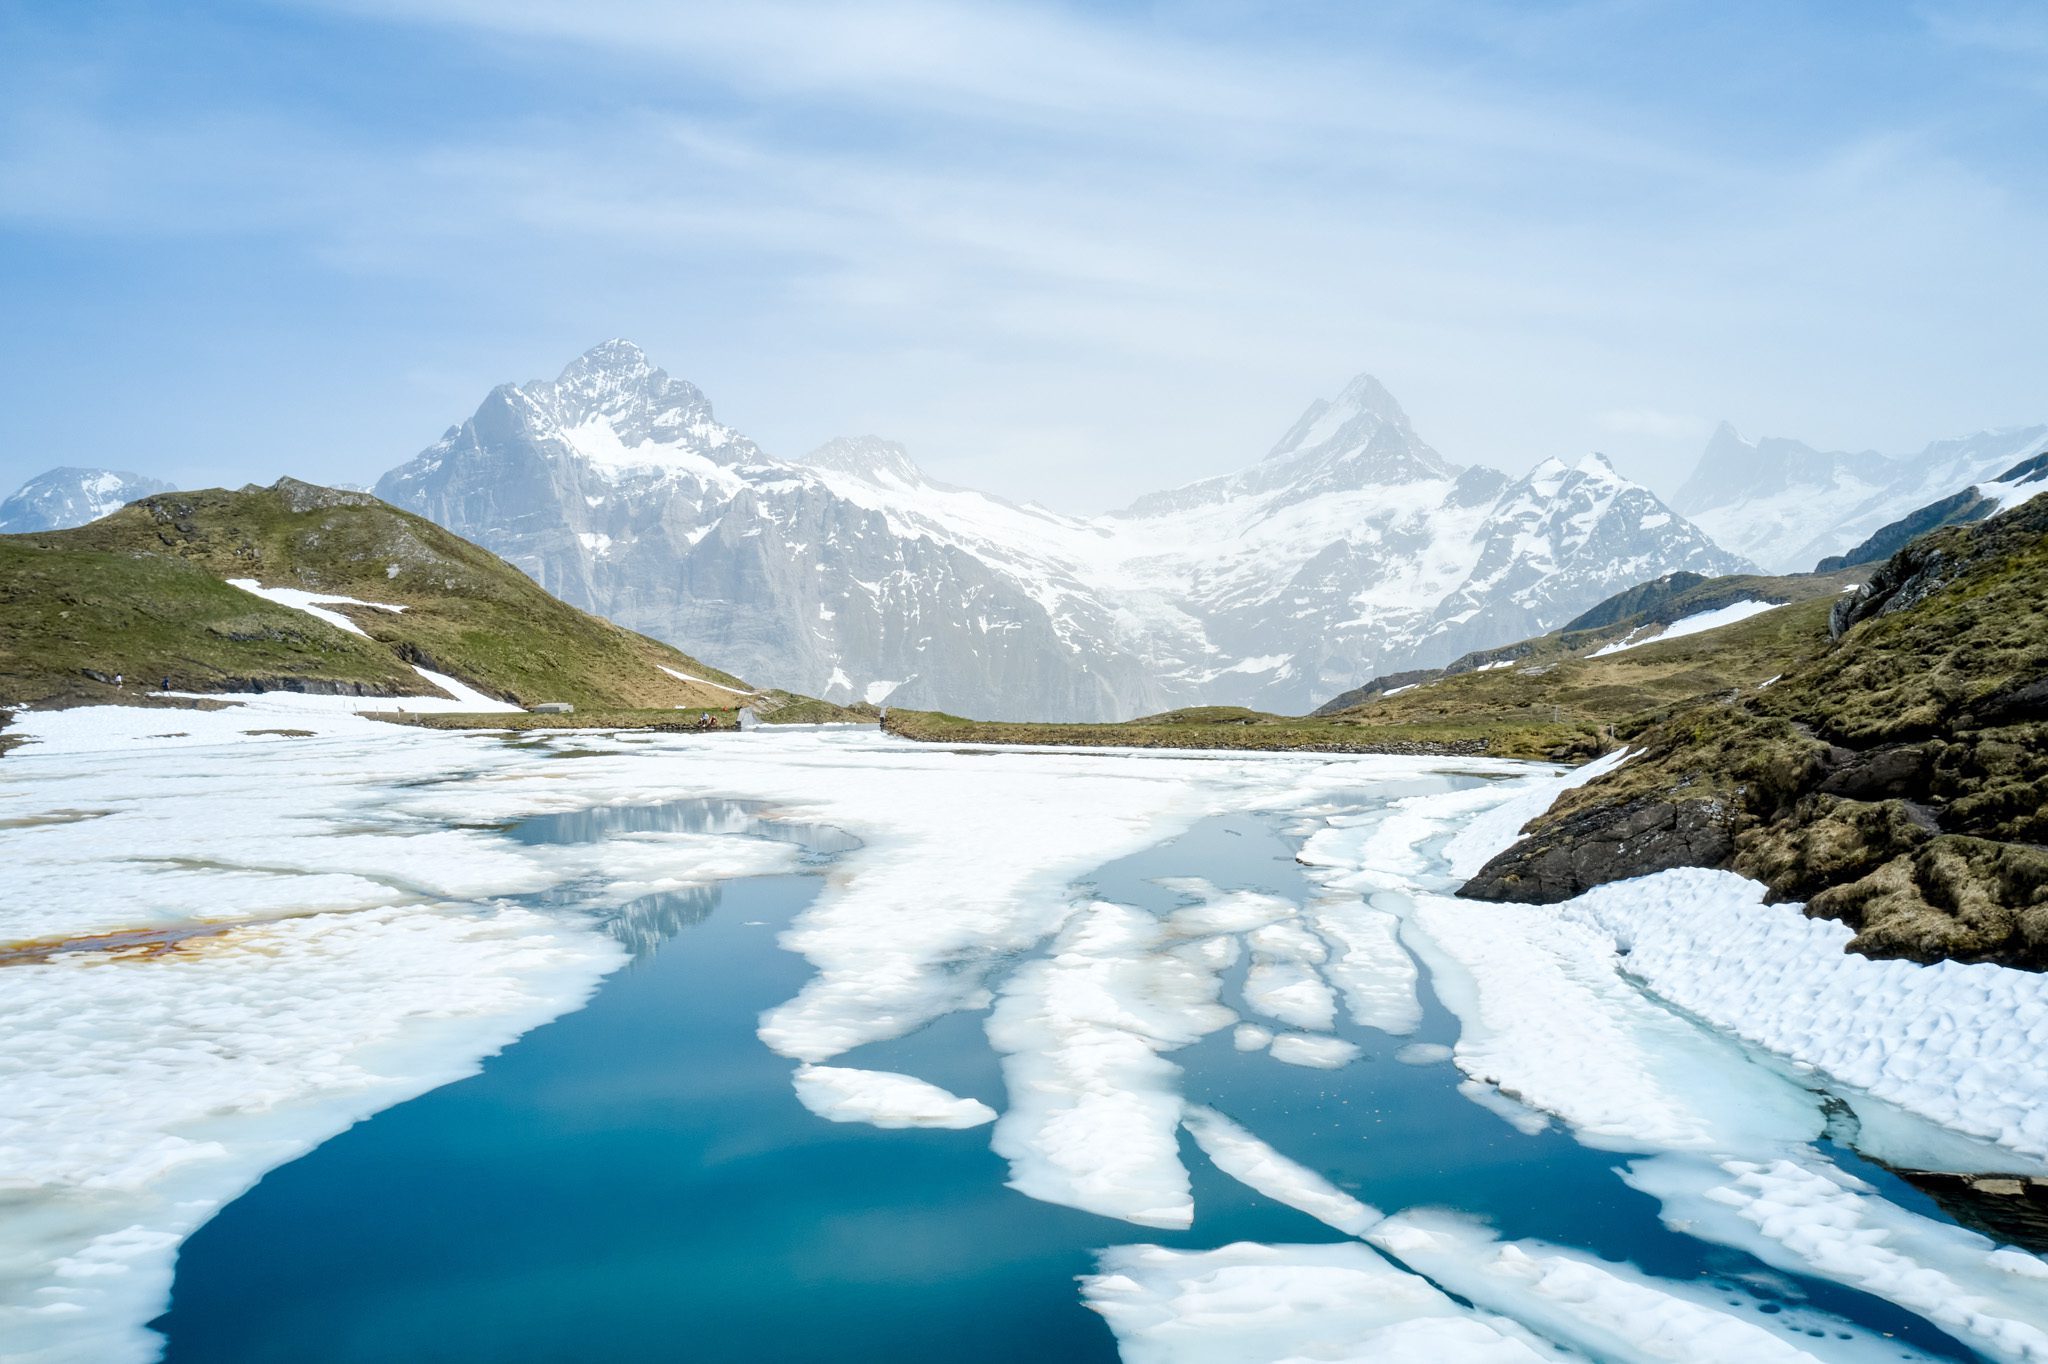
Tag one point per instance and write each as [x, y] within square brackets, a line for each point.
[1351, 548]
[1786, 505]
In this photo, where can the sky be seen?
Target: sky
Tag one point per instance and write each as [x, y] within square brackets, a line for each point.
[1068, 253]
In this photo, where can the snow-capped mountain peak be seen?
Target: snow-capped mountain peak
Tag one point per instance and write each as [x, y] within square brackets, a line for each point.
[868, 457]
[1361, 437]
[1353, 548]
[61, 498]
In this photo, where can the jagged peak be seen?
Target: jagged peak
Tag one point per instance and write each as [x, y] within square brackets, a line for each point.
[1365, 393]
[616, 356]
[867, 457]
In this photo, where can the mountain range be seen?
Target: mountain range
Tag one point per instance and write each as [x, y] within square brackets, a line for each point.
[1786, 505]
[1352, 548]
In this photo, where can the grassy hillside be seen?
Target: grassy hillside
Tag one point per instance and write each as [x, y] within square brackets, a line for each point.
[143, 593]
[1897, 779]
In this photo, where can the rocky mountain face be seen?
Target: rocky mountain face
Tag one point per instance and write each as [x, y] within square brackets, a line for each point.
[1352, 548]
[1787, 506]
[62, 498]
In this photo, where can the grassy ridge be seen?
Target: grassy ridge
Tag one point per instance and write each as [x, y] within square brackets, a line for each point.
[142, 593]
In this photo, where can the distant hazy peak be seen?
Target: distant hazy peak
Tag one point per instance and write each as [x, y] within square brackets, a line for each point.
[1359, 412]
[867, 457]
[1365, 393]
[59, 499]
[1734, 467]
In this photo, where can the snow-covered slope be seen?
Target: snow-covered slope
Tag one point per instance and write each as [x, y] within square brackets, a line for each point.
[63, 498]
[1787, 505]
[1352, 548]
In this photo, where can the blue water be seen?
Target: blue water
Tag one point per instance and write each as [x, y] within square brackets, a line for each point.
[636, 1181]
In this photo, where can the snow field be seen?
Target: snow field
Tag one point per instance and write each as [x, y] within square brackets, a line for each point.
[1696, 624]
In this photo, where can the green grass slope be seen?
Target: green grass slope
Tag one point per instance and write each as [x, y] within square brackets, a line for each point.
[143, 593]
[1896, 780]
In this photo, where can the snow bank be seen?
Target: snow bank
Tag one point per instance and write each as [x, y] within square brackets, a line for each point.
[885, 1099]
[313, 603]
[1691, 625]
[1965, 1046]
[471, 699]
[1548, 1021]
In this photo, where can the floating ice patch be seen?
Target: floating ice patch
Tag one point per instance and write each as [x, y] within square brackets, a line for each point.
[1289, 1303]
[1094, 1106]
[885, 1099]
[1423, 1054]
[1610, 1311]
[1319, 1053]
[1251, 1037]
[1257, 1166]
[1811, 1217]
[1374, 971]
[144, 1093]
[1283, 983]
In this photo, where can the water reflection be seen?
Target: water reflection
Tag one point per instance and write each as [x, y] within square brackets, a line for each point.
[643, 924]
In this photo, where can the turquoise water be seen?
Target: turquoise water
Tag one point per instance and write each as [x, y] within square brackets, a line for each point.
[637, 1182]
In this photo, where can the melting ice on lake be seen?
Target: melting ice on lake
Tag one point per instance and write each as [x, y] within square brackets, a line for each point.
[353, 927]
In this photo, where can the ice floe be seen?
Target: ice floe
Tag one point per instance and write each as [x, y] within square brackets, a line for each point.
[1242, 1302]
[1810, 1216]
[1094, 1105]
[885, 1099]
[1258, 1166]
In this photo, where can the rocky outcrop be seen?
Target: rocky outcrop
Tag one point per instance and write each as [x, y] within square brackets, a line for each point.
[1898, 783]
[1607, 843]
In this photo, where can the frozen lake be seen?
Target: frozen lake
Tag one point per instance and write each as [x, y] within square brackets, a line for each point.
[833, 1047]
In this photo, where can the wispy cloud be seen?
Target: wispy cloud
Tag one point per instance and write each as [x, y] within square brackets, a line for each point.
[1132, 241]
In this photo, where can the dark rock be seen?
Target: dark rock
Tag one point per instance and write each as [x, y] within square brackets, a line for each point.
[1896, 770]
[1603, 844]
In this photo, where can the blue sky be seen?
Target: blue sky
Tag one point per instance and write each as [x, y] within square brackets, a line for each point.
[1065, 252]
